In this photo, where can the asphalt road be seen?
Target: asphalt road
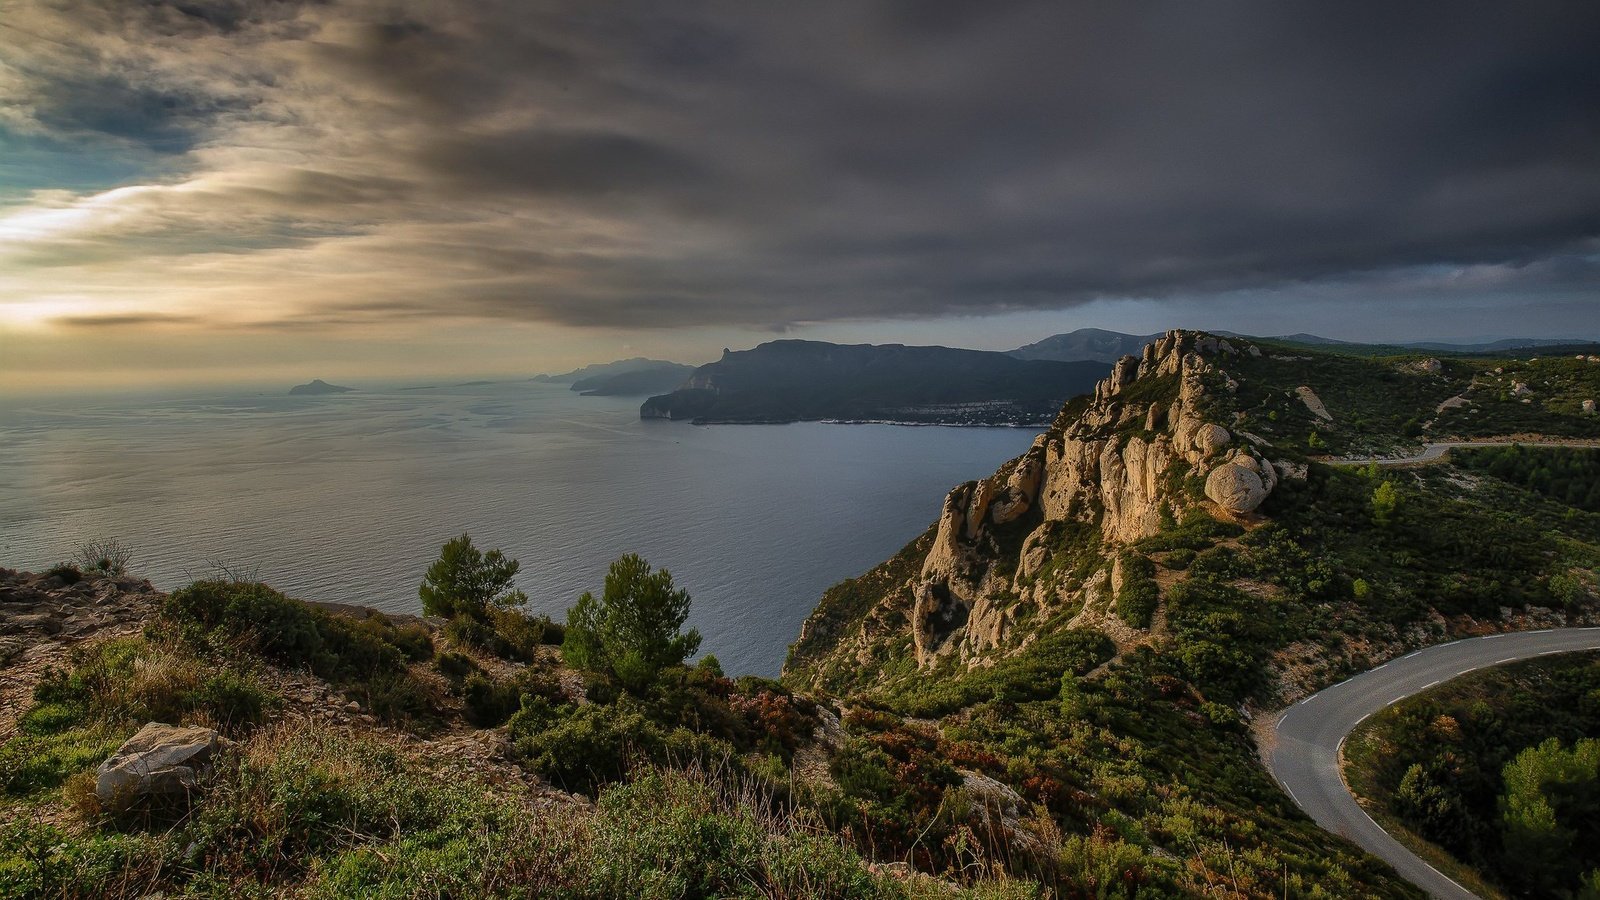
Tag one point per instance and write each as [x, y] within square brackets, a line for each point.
[1309, 735]
[1433, 452]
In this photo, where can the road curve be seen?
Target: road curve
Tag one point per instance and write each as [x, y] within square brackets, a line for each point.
[1304, 756]
[1434, 452]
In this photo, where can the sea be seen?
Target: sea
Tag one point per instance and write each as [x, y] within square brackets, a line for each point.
[348, 497]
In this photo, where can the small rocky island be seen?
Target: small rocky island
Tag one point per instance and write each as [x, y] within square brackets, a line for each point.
[318, 386]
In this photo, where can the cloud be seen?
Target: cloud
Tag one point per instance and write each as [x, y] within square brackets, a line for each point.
[304, 165]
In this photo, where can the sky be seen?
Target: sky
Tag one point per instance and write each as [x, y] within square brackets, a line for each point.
[230, 190]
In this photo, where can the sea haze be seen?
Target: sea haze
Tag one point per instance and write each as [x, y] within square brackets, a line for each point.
[348, 497]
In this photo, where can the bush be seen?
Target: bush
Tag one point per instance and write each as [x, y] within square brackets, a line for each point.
[367, 657]
[596, 744]
[109, 557]
[489, 702]
[455, 667]
[1034, 675]
[467, 581]
[66, 573]
[1139, 595]
[1179, 559]
[517, 635]
[465, 631]
[634, 630]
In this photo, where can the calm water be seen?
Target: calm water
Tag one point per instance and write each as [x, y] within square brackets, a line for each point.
[348, 497]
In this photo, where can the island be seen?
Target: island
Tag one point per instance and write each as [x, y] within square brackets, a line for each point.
[317, 386]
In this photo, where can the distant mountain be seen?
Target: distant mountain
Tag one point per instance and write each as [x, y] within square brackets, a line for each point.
[656, 379]
[1495, 346]
[791, 380]
[1086, 344]
[318, 386]
[601, 370]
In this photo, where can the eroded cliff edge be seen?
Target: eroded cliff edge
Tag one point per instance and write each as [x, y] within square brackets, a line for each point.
[1037, 541]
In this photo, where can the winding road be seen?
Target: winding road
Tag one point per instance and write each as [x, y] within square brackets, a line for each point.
[1436, 451]
[1308, 737]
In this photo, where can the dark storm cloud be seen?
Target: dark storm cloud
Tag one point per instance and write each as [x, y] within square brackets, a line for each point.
[685, 164]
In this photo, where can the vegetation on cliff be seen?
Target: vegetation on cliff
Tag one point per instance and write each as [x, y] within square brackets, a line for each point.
[1225, 597]
[1500, 769]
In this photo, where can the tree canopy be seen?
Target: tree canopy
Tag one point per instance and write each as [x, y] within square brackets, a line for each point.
[467, 581]
[634, 630]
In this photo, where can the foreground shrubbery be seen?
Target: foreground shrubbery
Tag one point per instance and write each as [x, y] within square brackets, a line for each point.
[366, 657]
[82, 714]
[329, 815]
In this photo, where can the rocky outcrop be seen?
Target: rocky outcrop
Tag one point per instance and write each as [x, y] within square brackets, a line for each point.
[1112, 466]
[1313, 403]
[1241, 484]
[160, 759]
[42, 616]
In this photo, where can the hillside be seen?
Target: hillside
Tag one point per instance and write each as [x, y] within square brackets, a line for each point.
[1173, 545]
[652, 379]
[788, 381]
[1054, 691]
[603, 370]
[1086, 344]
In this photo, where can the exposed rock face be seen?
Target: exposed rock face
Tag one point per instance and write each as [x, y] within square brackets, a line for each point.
[1240, 484]
[42, 617]
[998, 812]
[1431, 366]
[1110, 468]
[1313, 403]
[1588, 407]
[160, 759]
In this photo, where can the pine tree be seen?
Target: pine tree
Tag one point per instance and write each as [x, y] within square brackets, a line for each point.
[467, 581]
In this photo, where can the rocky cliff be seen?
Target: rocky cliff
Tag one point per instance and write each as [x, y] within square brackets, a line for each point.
[1035, 542]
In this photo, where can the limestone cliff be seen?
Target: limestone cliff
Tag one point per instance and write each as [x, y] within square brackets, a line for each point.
[1034, 542]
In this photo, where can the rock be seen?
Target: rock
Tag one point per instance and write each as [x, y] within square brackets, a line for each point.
[1154, 418]
[997, 810]
[1520, 388]
[352, 707]
[1588, 407]
[1236, 488]
[1209, 436]
[1431, 366]
[160, 759]
[1254, 351]
[1313, 403]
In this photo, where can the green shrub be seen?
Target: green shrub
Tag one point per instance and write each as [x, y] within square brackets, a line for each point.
[397, 698]
[489, 702]
[634, 630]
[38, 860]
[455, 667]
[66, 573]
[31, 762]
[1139, 595]
[367, 657]
[597, 744]
[1032, 675]
[233, 701]
[1179, 559]
[465, 581]
[465, 631]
